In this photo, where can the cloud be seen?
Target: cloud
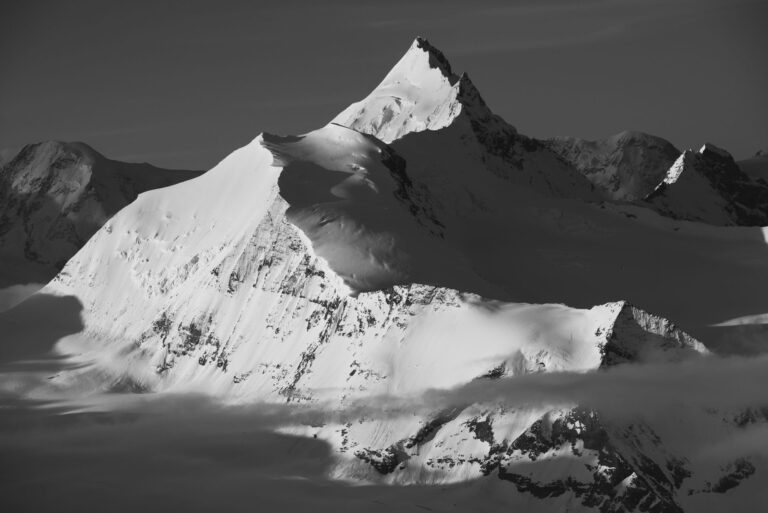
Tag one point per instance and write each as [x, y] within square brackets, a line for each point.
[173, 451]
[728, 384]
[746, 443]
[30, 331]
[731, 383]
[185, 453]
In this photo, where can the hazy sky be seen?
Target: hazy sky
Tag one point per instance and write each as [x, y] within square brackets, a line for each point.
[182, 83]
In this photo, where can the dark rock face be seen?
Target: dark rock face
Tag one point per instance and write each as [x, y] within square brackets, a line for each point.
[737, 471]
[384, 461]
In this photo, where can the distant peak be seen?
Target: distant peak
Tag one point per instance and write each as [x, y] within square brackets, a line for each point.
[62, 146]
[634, 135]
[621, 140]
[630, 134]
[711, 149]
[52, 150]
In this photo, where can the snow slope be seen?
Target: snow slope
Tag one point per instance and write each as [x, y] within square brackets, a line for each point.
[54, 196]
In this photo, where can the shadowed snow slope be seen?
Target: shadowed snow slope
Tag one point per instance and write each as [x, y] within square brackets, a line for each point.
[351, 195]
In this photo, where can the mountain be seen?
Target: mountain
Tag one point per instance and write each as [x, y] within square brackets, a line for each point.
[394, 257]
[55, 195]
[626, 167]
[709, 186]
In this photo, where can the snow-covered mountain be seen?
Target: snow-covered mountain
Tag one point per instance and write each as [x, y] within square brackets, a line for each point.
[55, 195]
[627, 166]
[399, 251]
[709, 186]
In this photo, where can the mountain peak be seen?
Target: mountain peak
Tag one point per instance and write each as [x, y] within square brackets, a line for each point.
[51, 147]
[59, 154]
[712, 150]
[421, 92]
[421, 48]
[421, 63]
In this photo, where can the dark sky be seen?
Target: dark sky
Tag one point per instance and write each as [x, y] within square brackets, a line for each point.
[183, 83]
